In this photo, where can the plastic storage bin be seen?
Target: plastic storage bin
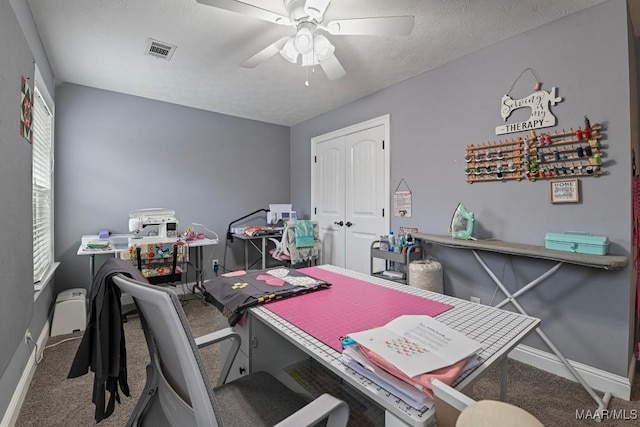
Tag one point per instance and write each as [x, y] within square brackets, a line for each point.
[583, 243]
[70, 313]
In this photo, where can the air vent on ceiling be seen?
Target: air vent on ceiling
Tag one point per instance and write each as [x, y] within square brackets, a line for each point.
[160, 49]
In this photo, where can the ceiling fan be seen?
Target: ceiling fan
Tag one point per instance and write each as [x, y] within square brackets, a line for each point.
[309, 41]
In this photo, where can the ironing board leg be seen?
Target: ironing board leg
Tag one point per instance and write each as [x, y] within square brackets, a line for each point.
[602, 403]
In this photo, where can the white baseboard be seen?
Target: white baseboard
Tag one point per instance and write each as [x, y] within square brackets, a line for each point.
[598, 379]
[13, 410]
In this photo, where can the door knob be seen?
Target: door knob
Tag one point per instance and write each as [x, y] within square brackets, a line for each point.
[339, 223]
[349, 224]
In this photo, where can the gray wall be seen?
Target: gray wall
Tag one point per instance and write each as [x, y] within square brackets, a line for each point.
[434, 116]
[19, 307]
[116, 153]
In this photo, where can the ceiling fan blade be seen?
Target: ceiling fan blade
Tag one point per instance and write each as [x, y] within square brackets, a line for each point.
[379, 26]
[247, 9]
[332, 68]
[316, 8]
[264, 54]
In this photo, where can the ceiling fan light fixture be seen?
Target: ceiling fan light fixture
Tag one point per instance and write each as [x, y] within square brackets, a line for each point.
[303, 40]
[309, 59]
[289, 51]
[322, 47]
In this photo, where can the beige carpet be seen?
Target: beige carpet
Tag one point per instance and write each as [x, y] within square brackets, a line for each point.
[54, 400]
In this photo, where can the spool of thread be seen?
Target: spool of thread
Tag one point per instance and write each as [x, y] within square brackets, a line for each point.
[587, 151]
[597, 158]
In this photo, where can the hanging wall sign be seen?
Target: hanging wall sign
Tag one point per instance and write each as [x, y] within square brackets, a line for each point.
[26, 110]
[540, 103]
[402, 201]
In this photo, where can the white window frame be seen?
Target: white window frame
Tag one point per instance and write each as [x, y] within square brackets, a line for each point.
[42, 183]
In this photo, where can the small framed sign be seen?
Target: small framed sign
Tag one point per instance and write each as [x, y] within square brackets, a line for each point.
[564, 191]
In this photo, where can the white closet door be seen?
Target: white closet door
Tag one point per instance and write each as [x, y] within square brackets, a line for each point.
[365, 195]
[329, 198]
[350, 191]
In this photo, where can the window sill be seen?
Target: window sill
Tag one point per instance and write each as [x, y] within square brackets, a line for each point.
[41, 285]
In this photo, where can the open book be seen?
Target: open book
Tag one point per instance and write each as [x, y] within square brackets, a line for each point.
[417, 344]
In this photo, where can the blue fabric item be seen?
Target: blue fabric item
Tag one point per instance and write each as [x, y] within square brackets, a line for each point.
[304, 234]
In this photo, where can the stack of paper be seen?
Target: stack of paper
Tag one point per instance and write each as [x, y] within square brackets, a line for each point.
[411, 349]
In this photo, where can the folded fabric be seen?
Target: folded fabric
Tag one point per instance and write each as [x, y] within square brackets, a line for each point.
[352, 357]
[423, 381]
[304, 234]
[233, 293]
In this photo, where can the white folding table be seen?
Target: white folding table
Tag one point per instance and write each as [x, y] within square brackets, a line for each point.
[271, 342]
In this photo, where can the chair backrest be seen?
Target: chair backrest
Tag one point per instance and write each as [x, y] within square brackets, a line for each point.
[449, 403]
[455, 409]
[184, 396]
[302, 231]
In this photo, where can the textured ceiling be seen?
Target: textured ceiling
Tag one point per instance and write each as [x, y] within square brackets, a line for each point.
[101, 44]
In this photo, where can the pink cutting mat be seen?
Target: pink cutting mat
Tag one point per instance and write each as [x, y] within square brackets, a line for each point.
[349, 305]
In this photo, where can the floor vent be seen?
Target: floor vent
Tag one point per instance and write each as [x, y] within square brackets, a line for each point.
[160, 49]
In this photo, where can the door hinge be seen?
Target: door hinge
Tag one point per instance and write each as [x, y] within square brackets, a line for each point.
[383, 144]
[315, 159]
[382, 212]
[315, 211]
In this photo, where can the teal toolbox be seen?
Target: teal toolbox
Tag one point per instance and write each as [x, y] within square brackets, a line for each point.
[571, 241]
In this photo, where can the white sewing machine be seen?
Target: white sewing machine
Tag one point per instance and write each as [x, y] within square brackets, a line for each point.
[153, 225]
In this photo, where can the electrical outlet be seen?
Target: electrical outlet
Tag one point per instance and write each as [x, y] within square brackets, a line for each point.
[27, 336]
[475, 299]
[214, 264]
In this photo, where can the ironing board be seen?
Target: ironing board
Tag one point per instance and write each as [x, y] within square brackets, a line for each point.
[606, 262]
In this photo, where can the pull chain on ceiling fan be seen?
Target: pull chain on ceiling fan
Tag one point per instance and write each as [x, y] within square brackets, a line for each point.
[309, 42]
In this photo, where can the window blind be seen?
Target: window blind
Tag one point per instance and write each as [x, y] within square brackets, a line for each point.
[42, 188]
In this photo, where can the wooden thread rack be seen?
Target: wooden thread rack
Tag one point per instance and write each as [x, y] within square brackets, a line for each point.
[559, 154]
